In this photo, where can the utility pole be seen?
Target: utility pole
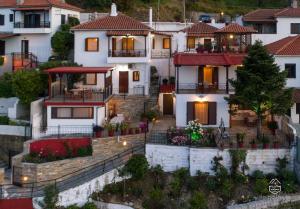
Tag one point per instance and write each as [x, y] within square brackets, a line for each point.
[184, 15]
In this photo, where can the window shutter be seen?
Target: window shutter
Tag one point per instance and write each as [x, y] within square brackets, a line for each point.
[215, 78]
[200, 75]
[212, 113]
[1, 19]
[53, 112]
[190, 111]
[86, 44]
[298, 108]
[2, 47]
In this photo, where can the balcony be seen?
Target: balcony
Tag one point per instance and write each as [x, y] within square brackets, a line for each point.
[127, 56]
[160, 53]
[32, 27]
[195, 88]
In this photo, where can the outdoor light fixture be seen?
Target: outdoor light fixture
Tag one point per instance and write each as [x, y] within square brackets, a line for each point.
[231, 36]
[25, 178]
[222, 13]
[202, 98]
[124, 143]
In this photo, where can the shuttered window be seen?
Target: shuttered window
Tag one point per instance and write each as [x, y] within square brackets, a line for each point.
[166, 43]
[295, 28]
[11, 17]
[2, 19]
[204, 112]
[2, 47]
[91, 44]
[298, 108]
[291, 69]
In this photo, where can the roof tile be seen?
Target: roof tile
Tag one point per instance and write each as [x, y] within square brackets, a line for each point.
[200, 29]
[286, 46]
[236, 28]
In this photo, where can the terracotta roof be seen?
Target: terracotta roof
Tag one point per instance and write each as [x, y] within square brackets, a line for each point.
[286, 46]
[236, 28]
[200, 29]
[31, 8]
[261, 15]
[288, 12]
[216, 59]
[7, 35]
[38, 3]
[79, 70]
[127, 32]
[296, 95]
[119, 22]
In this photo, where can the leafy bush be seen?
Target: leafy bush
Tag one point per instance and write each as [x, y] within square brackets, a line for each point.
[158, 175]
[211, 184]
[258, 174]
[137, 167]
[226, 189]
[50, 197]
[85, 151]
[198, 201]
[73, 207]
[261, 186]
[89, 205]
[73, 21]
[155, 200]
[240, 178]
[6, 88]
[114, 188]
[62, 42]
[4, 120]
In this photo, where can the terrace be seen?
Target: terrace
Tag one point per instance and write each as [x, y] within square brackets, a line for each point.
[79, 85]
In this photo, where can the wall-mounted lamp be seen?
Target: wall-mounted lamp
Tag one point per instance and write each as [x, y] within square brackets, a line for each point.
[202, 98]
[124, 143]
[231, 36]
[25, 178]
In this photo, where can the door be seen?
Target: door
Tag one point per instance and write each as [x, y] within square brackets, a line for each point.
[32, 21]
[123, 82]
[25, 46]
[168, 104]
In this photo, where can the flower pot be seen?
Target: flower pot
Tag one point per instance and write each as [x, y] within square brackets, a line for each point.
[276, 145]
[111, 133]
[266, 146]
[98, 134]
[240, 144]
[254, 146]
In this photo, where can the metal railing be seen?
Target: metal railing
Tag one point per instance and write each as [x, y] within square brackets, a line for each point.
[128, 53]
[160, 53]
[196, 88]
[41, 24]
[70, 180]
[135, 91]
[24, 60]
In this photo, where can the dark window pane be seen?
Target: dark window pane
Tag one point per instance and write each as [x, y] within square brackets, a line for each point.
[291, 69]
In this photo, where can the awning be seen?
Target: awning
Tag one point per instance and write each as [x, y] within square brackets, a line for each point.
[79, 70]
[215, 59]
[7, 35]
[31, 8]
[127, 33]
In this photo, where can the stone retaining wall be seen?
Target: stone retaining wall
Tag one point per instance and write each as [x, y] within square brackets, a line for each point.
[268, 202]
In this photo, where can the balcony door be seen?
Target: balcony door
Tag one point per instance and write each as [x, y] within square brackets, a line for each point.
[25, 47]
[208, 77]
[123, 82]
[32, 21]
[128, 44]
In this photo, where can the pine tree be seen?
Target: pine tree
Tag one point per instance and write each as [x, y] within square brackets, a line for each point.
[260, 85]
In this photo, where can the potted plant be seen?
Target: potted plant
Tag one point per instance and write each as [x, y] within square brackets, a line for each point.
[272, 125]
[266, 141]
[111, 129]
[137, 130]
[123, 127]
[276, 144]
[240, 139]
[98, 131]
[253, 144]
[165, 81]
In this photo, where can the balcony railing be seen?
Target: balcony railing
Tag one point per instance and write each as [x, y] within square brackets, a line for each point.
[80, 95]
[127, 53]
[42, 24]
[155, 53]
[195, 88]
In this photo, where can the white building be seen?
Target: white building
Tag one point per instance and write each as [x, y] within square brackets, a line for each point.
[26, 28]
[274, 24]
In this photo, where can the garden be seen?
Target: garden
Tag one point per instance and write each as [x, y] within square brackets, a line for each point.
[152, 188]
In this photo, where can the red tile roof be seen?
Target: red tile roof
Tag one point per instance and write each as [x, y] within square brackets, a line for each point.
[288, 12]
[216, 59]
[38, 3]
[119, 22]
[79, 70]
[236, 28]
[127, 32]
[286, 46]
[269, 15]
[200, 30]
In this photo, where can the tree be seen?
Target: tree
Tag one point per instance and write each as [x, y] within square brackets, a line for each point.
[27, 85]
[62, 42]
[260, 85]
[6, 89]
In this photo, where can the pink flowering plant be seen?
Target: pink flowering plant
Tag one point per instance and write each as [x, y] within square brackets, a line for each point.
[179, 140]
[195, 130]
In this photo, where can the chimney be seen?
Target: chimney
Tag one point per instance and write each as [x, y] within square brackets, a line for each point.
[150, 17]
[113, 11]
[19, 2]
[294, 4]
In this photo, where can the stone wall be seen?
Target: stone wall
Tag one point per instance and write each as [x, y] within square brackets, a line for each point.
[10, 143]
[172, 158]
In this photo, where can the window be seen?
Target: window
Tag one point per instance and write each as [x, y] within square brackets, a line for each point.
[1, 19]
[91, 79]
[166, 43]
[295, 28]
[91, 44]
[2, 47]
[191, 42]
[127, 44]
[136, 76]
[291, 69]
[63, 19]
[72, 112]
[11, 17]
[153, 43]
[204, 112]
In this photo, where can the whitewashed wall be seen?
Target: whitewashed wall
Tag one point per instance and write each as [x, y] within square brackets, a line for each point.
[8, 26]
[171, 158]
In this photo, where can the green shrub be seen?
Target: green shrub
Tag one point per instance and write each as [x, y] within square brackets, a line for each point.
[50, 197]
[155, 200]
[85, 151]
[4, 120]
[176, 186]
[73, 207]
[258, 174]
[114, 188]
[226, 189]
[73, 21]
[211, 184]
[136, 190]
[192, 184]
[261, 186]
[137, 166]
[240, 178]
[198, 201]
[289, 186]
[158, 175]
[180, 178]
[89, 205]
[6, 89]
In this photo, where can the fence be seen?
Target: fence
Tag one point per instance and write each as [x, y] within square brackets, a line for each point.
[15, 131]
[71, 180]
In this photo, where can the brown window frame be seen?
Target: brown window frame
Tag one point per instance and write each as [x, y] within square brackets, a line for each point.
[86, 44]
[153, 43]
[208, 112]
[295, 28]
[138, 76]
[125, 43]
[88, 84]
[164, 43]
[54, 113]
[193, 45]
